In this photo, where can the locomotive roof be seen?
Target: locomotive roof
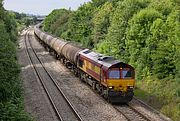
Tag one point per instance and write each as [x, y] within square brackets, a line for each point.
[107, 61]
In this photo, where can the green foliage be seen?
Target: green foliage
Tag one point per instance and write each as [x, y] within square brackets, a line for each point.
[80, 26]
[9, 23]
[11, 107]
[138, 40]
[101, 22]
[143, 33]
[163, 65]
[12, 112]
[50, 20]
[119, 22]
[173, 29]
[60, 25]
[164, 7]
[98, 3]
[161, 96]
[24, 19]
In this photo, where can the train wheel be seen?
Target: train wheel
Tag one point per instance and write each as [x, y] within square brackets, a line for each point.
[108, 99]
[94, 85]
[81, 75]
[101, 91]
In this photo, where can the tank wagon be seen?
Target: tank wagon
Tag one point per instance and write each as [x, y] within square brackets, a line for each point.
[113, 79]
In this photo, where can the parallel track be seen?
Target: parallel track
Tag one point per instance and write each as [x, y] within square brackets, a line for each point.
[126, 110]
[130, 113]
[59, 116]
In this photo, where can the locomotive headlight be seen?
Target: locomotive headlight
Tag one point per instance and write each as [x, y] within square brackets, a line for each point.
[130, 87]
[111, 87]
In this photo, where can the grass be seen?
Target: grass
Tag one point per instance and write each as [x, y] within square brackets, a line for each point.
[161, 95]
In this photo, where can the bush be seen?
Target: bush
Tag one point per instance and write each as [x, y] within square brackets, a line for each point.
[11, 106]
[143, 33]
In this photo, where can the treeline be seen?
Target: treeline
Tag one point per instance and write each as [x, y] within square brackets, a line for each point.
[24, 20]
[143, 33]
[11, 100]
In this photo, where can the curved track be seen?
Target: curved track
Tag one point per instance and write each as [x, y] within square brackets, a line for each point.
[62, 106]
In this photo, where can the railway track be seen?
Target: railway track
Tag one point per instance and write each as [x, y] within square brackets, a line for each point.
[61, 105]
[149, 110]
[130, 113]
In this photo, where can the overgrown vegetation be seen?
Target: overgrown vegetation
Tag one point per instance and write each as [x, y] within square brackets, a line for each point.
[11, 100]
[143, 33]
[24, 20]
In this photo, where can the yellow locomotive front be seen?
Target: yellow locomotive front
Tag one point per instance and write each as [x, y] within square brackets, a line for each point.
[112, 78]
[120, 83]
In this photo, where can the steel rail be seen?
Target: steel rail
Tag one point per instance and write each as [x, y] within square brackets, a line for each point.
[135, 110]
[139, 115]
[56, 84]
[40, 79]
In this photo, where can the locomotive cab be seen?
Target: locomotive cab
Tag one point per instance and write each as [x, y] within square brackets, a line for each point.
[112, 78]
[120, 83]
[120, 79]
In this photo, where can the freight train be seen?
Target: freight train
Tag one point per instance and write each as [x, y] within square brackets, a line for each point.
[113, 79]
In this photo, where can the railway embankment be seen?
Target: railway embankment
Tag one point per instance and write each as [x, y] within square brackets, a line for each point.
[11, 92]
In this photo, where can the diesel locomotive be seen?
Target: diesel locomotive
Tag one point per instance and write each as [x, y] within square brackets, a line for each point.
[113, 79]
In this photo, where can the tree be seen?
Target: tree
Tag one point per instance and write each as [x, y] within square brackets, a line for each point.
[80, 26]
[173, 32]
[11, 107]
[138, 41]
[51, 18]
[101, 22]
[116, 36]
[61, 24]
